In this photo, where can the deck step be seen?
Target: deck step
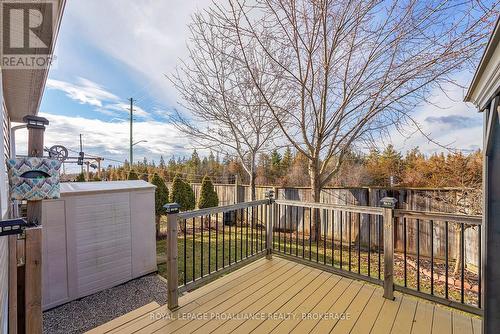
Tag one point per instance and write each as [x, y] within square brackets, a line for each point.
[120, 321]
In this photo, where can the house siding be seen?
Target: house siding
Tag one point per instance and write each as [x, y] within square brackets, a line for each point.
[4, 251]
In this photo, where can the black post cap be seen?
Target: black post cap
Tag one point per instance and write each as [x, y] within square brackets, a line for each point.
[172, 207]
[388, 202]
[35, 122]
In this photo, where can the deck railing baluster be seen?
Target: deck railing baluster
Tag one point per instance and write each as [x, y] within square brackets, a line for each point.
[291, 230]
[246, 240]
[284, 229]
[297, 231]
[446, 252]
[418, 254]
[223, 241]
[201, 248]
[325, 224]
[209, 242]
[432, 256]
[479, 268]
[405, 253]
[369, 246]
[359, 243]
[194, 250]
[303, 231]
[310, 233]
[317, 231]
[229, 241]
[462, 264]
[379, 243]
[217, 241]
[279, 228]
[185, 251]
[241, 231]
[333, 238]
[341, 238]
[350, 237]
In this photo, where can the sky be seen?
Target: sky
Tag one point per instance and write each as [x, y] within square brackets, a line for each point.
[109, 51]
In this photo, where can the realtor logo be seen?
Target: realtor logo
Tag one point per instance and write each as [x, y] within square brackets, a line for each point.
[27, 33]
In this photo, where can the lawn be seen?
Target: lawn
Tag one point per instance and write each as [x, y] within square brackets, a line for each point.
[212, 251]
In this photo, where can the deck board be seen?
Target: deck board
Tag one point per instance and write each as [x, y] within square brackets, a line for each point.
[367, 318]
[354, 310]
[404, 319]
[299, 297]
[461, 324]
[441, 322]
[321, 305]
[285, 304]
[325, 324]
[423, 318]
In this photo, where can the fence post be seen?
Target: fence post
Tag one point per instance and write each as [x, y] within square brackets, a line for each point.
[172, 254]
[237, 198]
[270, 223]
[33, 243]
[388, 203]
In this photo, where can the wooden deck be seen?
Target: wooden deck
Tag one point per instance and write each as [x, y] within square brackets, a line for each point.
[281, 296]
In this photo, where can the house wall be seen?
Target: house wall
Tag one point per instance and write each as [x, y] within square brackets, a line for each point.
[4, 253]
[491, 231]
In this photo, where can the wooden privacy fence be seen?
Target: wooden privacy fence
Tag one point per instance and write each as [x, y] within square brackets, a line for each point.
[428, 200]
[421, 199]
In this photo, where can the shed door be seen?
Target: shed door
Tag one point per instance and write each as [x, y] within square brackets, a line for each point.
[103, 242]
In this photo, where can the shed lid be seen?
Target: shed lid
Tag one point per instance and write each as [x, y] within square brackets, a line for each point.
[83, 187]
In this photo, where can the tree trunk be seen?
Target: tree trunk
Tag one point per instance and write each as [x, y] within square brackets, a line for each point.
[158, 225]
[252, 177]
[315, 193]
[252, 185]
[458, 261]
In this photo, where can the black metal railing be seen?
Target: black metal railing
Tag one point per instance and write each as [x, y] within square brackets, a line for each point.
[346, 238]
[214, 239]
[409, 251]
[439, 254]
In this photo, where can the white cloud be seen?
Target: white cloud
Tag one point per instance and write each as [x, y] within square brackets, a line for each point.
[149, 36]
[447, 120]
[125, 108]
[93, 94]
[86, 92]
[110, 139]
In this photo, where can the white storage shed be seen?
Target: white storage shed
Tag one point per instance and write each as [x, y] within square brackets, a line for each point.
[96, 236]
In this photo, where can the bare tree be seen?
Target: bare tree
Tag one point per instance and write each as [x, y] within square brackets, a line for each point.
[227, 111]
[353, 70]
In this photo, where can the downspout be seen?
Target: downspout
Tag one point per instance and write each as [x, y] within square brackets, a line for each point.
[15, 203]
[13, 139]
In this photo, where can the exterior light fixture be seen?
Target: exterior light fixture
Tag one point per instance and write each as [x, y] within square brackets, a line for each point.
[270, 194]
[388, 202]
[172, 208]
[35, 122]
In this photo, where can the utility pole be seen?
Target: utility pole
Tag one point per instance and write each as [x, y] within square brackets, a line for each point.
[131, 124]
[81, 150]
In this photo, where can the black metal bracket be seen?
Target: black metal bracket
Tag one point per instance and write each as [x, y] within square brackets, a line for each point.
[14, 226]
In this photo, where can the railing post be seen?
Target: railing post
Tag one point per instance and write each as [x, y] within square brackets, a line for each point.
[388, 203]
[172, 254]
[270, 224]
